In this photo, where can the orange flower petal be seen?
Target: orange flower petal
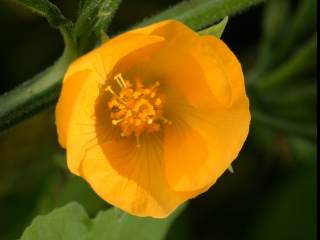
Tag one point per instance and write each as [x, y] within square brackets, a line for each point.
[205, 100]
[74, 78]
[224, 131]
[168, 29]
[178, 76]
[217, 72]
[132, 178]
[213, 68]
[220, 67]
[86, 123]
[185, 153]
[71, 88]
[101, 61]
[230, 66]
[127, 46]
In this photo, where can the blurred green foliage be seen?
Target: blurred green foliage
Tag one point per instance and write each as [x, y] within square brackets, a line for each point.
[271, 194]
[72, 222]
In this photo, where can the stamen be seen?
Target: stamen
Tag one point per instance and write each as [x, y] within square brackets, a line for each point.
[156, 84]
[108, 88]
[136, 109]
[120, 80]
[158, 102]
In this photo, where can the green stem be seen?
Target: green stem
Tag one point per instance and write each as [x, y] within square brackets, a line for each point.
[38, 92]
[199, 14]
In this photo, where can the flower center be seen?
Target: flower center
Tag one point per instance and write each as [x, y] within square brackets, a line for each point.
[136, 108]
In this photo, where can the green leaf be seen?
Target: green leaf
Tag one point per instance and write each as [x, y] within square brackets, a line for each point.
[282, 30]
[302, 22]
[199, 14]
[104, 37]
[301, 59]
[217, 29]
[66, 223]
[71, 222]
[109, 225]
[47, 9]
[95, 17]
[83, 4]
[276, 16]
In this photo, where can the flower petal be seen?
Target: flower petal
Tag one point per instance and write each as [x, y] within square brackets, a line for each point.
[101, 62]
[126, 45]
[71, 88]
[212, 65]
[180, 77]
[220, 66]
[205, 100]
[75, 77]
[224, 130]
[168, 29]
[230, 66]
[88, 120]
[132, 178]
[185, 154]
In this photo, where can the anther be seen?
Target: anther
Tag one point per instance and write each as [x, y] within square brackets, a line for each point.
[158, 102]
[156, 84]
[108, 88]
[136, 109]
[116, 122]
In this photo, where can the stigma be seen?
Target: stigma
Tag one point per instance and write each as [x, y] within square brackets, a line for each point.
[136, 109]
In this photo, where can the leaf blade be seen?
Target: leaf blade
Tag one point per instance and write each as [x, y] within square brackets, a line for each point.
[95, 17]
[109, 225]
[72, 222]
[58, 225]
[217, 29]
[48, 10]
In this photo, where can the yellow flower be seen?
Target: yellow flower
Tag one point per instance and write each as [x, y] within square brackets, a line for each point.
[153, 117]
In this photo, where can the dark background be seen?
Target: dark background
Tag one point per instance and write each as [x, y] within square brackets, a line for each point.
[271, 194]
